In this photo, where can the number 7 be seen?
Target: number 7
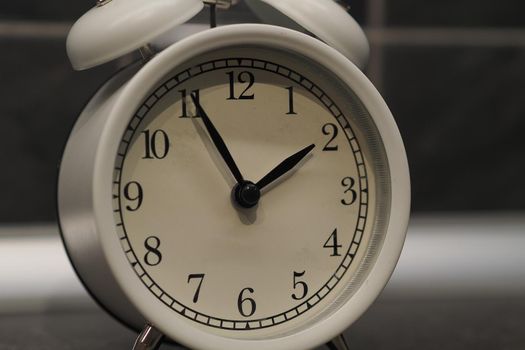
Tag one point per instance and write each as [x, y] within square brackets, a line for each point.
[199, 276]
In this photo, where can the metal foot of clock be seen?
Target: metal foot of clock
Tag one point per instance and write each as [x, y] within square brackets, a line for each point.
[149, 339]
[338, 343]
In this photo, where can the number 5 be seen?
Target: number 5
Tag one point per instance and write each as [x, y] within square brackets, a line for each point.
[303, 285]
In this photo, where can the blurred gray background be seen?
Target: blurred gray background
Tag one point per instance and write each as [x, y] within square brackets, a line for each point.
[453, 73]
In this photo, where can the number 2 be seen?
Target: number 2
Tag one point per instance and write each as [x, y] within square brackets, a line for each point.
[330, 129]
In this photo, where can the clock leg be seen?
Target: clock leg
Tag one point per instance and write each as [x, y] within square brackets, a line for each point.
[338, 343]
[217, 4]
[149, 339]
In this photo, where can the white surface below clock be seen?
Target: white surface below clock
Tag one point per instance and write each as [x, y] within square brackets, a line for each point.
[145, 192]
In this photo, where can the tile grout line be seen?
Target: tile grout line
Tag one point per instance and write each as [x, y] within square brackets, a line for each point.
[447, 37]
[375, 18]
[375, 13]
[34, 30]
[378, 35]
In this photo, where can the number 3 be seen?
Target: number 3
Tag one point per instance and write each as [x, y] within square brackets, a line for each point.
[348, 183]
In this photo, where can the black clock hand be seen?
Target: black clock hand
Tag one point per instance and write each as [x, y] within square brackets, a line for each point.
[218, 141]
[284, 167]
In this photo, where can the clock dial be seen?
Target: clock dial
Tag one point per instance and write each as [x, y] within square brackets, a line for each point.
[318, 193]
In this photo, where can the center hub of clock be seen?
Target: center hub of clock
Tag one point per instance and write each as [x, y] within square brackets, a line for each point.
[246, 194]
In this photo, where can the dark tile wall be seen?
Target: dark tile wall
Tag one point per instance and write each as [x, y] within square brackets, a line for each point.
[455, 13]
[460, 108]
[454, 77]
[39, 10]
[41, 97]
[462, 115]
[358, 9]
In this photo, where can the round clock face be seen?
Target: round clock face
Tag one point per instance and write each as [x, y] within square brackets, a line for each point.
[304, 246]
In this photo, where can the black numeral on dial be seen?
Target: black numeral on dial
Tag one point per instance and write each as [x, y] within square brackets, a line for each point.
[333, 244]
[245, 304]
[291, 110]
[186, 101]
[153, 257]
[331, 130]
[300, 286]
[157, 144]
[349, 183]
[246, 78]
[200, 277]
[133, 193]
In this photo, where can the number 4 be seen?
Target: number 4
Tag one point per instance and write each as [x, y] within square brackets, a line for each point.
[333, 243]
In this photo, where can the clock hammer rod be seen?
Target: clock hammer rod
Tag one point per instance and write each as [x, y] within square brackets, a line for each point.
[149, 339]
[338, 343]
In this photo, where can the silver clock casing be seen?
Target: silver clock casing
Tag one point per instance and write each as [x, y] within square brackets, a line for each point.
[84, 199]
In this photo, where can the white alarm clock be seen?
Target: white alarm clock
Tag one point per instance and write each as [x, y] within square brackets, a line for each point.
[245, 188]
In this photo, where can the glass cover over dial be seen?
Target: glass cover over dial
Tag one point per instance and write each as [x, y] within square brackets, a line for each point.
[251, 192]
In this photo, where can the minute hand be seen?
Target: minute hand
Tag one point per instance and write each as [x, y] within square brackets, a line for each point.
[218, 141]
[284, 167]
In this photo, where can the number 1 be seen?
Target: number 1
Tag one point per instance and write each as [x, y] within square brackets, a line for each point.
[291, 110]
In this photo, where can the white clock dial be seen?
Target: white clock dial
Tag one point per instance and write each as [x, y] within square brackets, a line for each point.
[249, 273]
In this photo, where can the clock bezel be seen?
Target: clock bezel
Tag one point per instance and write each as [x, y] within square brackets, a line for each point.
[127, 103]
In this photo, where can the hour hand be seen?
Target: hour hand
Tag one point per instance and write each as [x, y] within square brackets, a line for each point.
[217, 140]
[284, 167]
